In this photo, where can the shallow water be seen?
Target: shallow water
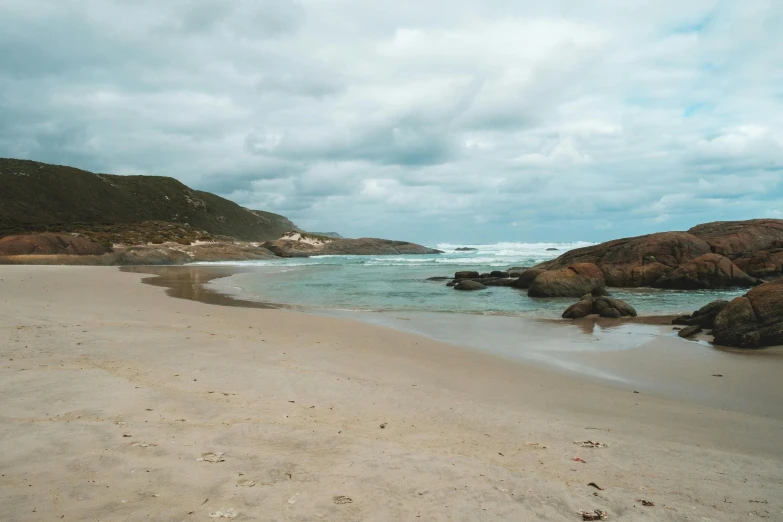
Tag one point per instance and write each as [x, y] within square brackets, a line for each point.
[399, 283]
[642, 355]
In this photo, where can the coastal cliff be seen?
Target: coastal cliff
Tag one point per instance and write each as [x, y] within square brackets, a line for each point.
[52, 214]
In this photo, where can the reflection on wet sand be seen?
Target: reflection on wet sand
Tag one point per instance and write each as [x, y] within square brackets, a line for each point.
[188, 282]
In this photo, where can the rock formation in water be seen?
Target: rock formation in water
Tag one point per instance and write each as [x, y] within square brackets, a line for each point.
[713, 255]
[604, 306]
[362, 246]
[574, 280]
[753, 320]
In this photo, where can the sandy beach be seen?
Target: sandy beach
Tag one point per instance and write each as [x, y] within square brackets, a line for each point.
[120, 402]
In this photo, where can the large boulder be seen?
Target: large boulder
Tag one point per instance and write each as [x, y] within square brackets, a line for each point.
[706, 271]
[767, 301]
[49, 244]
[741, 239]
[464, 274]
[525, 278]
[468, 284]
[755, 247]
[605, 302]
[574, 281]
[753, 320]
[635, 261]
[579, 309]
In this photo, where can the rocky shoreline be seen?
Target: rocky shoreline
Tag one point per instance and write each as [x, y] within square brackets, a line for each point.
[68, 249]
[742, 254]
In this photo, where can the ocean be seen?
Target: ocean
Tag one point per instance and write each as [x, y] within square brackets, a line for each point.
[399, 283]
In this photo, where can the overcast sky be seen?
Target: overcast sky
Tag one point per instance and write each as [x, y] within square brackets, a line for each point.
[458, 121]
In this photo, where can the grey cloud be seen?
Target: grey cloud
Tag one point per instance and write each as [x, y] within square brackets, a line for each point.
[484, 121]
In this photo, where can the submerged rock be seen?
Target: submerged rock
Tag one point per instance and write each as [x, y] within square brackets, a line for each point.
[468, 284]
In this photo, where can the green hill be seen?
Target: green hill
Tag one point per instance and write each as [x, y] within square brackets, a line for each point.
[37, 197]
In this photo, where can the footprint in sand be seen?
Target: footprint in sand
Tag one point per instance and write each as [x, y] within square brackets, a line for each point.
[224, 513]
[246, 482]
[143, 444]
[211, 457]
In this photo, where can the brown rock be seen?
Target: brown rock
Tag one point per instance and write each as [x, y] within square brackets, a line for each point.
[361, 246]
[466, 274]
[624, 261]
[755, 247]
[689, 331]
[767, 300]
[706, 271]
[527, 277]
[741, 238]
[581, 308]
[467, 284]
[741, 324]
[49, 244]
[613, 313]
[573, 281]
[762, 264]
[603, 302]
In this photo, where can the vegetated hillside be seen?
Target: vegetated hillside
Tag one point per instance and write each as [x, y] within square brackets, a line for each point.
[37, 197]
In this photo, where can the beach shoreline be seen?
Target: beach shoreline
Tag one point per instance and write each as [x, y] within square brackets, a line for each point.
[113, 392]
[633, 353]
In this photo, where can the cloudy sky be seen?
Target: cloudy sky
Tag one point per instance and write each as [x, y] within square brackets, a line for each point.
[458, 120]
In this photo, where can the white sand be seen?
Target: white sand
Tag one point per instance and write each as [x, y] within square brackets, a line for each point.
[296, 403]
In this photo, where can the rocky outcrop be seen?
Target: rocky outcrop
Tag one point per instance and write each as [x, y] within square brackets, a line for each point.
[604, 306]
[525, 278]
[703, 317]
[706, 271]
[753, 249]
[741, 239]
[468, 284]
[362, 246]
[466, 274]
[637, 261]
[573, 281]
[226, 252]
[164, 254]
[49, 244]
[753, 320]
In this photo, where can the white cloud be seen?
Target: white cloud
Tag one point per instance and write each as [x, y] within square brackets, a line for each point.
[432, 121]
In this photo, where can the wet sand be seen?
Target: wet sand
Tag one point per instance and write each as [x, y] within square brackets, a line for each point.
[112, 392]
[642, 354]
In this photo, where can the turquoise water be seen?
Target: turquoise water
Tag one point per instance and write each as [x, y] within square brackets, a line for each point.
[399, 283]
